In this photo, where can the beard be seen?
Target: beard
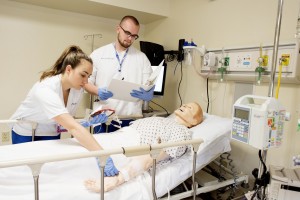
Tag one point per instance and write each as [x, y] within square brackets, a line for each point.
[124, 44]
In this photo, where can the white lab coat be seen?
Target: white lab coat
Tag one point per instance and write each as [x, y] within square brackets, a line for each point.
[44, 102]
[135, 68]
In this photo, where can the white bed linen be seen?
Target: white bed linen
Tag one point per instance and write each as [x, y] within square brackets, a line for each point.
[64, 179]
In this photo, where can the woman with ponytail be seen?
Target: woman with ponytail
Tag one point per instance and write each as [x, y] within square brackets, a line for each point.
[53, 101]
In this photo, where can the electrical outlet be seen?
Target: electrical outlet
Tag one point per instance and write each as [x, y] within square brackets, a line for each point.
[285, 59]
[5, 137]
[226, 61]
[265, 60]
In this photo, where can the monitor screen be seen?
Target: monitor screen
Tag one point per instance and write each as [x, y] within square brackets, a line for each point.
[153, 51]
[155, 54]
[160, 82]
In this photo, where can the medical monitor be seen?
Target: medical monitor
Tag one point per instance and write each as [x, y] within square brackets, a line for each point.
[155, 54]
[160, 82]
[153, 51]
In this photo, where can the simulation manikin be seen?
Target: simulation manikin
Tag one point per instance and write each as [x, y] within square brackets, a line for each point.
[155, 130]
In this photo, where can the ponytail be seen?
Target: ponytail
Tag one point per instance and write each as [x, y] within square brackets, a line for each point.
[71, 56]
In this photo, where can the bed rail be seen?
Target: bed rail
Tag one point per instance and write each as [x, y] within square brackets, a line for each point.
[36, 163]
[14, 121]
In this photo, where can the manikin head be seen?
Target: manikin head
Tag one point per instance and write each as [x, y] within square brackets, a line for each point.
[127, 31]
[189, 114]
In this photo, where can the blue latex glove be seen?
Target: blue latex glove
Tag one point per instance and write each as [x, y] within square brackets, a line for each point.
[109, 168]
[98, 119]
[143, 94]
[104, 94]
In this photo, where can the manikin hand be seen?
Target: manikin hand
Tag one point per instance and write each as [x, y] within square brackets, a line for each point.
[109, 183]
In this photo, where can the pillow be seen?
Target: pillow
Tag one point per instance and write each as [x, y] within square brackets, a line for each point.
[212, 127]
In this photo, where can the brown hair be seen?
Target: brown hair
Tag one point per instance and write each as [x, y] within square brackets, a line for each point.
[129, 17]
[71, 56]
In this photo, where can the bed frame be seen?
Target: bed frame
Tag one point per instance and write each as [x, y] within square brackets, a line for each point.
[36, 163]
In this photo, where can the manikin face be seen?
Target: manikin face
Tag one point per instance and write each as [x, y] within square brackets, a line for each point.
[189, 114]
[78, 77]
[127, 31]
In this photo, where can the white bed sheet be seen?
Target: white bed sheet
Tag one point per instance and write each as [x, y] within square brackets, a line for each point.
[64, 179]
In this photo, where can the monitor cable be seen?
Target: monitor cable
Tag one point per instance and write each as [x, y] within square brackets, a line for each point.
[178, 89]
[160, 106]
[207, 93]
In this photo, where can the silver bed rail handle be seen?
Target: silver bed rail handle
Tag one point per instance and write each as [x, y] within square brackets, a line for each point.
[14, 121]
[35, 170]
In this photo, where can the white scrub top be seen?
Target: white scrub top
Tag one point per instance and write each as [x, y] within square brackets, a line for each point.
[135, 68]
[44, 102]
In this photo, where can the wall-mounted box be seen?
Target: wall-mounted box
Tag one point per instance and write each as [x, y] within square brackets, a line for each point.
[242, 62]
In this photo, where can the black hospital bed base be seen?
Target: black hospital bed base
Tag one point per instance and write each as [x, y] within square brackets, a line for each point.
[205, 189]
[211, 180]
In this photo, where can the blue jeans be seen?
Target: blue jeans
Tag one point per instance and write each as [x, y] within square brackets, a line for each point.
[16, 138]
[103, 128]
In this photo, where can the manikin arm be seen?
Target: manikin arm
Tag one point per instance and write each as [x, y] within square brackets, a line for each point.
[136, 166]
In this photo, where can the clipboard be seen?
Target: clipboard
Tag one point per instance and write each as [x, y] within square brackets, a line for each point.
[157, 69]
[122, 89]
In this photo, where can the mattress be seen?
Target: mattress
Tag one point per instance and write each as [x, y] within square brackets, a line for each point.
[64, 179]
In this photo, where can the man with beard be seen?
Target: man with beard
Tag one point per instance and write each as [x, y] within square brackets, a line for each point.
[120, 60]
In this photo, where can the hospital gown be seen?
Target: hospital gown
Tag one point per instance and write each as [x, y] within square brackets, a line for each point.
[155, 130]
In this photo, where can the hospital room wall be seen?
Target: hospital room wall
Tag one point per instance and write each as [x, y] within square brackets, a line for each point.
[33, 37]
[230, 23]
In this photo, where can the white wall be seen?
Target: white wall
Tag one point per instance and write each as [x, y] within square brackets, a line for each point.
[229, 23]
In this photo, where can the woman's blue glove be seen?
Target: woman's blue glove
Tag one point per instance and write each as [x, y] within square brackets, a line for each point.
[98, 119]
[143, 94]
[109, 168]
[104, 94]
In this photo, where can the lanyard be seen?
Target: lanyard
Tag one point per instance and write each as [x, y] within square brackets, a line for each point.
[120, 62]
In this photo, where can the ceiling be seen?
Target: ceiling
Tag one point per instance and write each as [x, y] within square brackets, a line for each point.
[95, 9]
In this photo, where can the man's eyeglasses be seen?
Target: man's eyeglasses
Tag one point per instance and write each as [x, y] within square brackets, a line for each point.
[134, 36]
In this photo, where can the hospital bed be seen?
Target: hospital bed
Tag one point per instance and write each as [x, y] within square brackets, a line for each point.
[64, 179]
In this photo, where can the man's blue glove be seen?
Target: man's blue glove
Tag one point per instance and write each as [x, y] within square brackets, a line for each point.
[143, 94]
[98, 119]
[104, 94]
[109, 168]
